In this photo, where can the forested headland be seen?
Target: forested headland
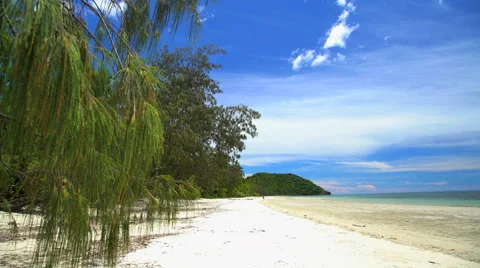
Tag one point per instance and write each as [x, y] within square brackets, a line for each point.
[267, 184]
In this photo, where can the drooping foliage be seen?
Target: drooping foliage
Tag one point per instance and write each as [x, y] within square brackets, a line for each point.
[80, 128]
[278, 184]
[203, 140]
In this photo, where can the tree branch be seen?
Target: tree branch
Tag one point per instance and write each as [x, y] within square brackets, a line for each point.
[107, 28]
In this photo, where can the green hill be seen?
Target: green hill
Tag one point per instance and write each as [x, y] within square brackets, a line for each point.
[279, 184]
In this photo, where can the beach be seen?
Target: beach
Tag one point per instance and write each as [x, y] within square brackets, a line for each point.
[246, 233]
[447, 229]
[16, 250]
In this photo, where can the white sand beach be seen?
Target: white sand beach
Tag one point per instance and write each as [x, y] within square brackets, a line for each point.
[451, 230]
[245, 233]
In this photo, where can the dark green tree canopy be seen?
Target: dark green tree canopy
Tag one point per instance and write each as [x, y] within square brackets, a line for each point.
[280, 184]
[203, 139]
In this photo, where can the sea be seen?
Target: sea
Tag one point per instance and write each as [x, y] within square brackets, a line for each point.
[461, 198]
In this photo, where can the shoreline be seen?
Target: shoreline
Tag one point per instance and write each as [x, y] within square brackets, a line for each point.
[246, 233]
[451, 230]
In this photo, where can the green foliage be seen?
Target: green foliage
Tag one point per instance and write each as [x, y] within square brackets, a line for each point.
[80, 128]
[203, 140]
[278, 184]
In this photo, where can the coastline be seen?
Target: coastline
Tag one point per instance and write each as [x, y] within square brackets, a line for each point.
[446, 229]
[246, 233]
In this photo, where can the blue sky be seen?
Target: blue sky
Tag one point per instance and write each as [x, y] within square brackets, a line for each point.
[357, 96]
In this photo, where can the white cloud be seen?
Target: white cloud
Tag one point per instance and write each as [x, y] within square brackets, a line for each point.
[295, 52]
[399, 96]
[204, 19]
[341, 2]
[351, 7]
[204, 15]
[438, 183]
[109, 7]
[427, 164]
[340, 57]
[303, 59]
[372, 165]
[319, 59]
[344, 15]
[338, 34]
[261, 160]
[335, 186]
[435, 183]
[340, 31]
[440, 2]
[367, 187]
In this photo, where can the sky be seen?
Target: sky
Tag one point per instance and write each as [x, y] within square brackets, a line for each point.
[357, 96]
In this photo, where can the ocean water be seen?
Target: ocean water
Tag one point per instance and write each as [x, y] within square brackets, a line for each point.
[463, 198]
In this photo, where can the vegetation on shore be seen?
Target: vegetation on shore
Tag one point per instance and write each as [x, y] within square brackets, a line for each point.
[97, 120]
[278, 184]
[92, 121]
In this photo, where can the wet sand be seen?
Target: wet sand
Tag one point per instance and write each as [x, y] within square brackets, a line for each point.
[451, 230]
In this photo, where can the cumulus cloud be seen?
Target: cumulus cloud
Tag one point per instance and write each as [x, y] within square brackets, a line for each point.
[344, 15]
[307, 58]
[110, 8]
[303, 59]
[336, 37]
[319, 59]
[338, 34]
[341, 2]
[351, 7]
[392, 99]
[340, 31]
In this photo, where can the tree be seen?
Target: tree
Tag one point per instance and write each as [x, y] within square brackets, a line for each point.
[203, 139]
[79, 122]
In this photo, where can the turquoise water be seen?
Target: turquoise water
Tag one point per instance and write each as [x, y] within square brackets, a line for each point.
[464, 198]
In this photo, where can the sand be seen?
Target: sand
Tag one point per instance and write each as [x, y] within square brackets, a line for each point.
[245, 233]
[16, 251]
[450, 230]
